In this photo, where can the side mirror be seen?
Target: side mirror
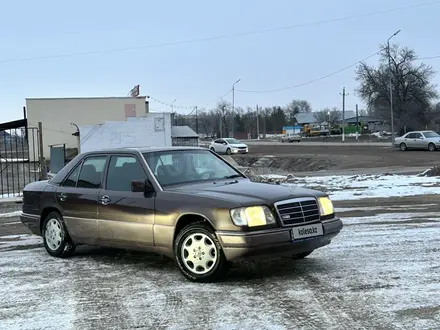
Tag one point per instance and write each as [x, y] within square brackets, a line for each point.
[141, 185]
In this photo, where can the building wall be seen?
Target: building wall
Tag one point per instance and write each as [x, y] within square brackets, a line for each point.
[153, 130]
[57, 114]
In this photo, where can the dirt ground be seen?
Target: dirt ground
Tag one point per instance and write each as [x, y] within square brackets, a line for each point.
[381, 272]
[297, 157]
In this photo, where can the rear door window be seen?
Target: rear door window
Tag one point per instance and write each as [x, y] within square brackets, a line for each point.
[91, 173]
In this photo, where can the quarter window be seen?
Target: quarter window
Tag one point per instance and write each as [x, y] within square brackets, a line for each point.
[72, 178]
[91, 172]
[122, 170]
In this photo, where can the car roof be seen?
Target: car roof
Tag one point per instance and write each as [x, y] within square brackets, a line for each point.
[143, 150]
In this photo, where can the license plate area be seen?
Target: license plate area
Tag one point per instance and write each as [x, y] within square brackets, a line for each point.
[308, 231]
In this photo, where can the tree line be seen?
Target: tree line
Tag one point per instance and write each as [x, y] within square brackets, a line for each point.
[414, 99]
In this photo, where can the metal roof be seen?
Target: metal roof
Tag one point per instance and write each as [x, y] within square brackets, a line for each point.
[309, 117]
[183, 132]
[367, 119]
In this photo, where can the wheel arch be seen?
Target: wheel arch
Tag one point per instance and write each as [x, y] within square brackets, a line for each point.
[44, 213]
[187, 219]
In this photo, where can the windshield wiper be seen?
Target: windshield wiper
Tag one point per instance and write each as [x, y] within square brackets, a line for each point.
[233, 176]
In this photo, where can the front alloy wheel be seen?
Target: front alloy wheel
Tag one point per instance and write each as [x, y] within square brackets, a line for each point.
[228, 151]
[431, 147]
[199, 254]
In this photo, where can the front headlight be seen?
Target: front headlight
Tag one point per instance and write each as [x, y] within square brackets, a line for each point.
[325, 206]
[252, 216]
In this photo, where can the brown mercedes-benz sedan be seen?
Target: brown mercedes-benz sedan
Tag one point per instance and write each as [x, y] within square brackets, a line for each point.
[185, 203]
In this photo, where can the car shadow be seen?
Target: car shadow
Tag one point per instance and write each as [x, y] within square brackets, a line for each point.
[239, 272]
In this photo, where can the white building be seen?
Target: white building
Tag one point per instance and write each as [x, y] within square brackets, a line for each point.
[59, 114]
[153, 130]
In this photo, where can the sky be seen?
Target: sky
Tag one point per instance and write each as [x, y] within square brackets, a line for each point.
[148, 43]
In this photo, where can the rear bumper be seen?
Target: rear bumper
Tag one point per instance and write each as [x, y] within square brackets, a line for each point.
[31, 222]
[274, 243]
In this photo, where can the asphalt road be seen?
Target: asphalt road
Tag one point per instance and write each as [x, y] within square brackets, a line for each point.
[381, 272]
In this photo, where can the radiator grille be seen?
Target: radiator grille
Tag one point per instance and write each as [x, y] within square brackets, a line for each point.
[296, 211]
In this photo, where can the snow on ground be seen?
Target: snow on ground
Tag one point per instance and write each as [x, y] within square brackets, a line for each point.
[381, 272]
[371, 186]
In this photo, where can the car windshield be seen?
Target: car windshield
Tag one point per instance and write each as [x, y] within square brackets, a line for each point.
[172, 167]
[233, 141]
[430, 134]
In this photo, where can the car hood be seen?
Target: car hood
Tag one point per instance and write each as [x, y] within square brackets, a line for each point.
[246, 192]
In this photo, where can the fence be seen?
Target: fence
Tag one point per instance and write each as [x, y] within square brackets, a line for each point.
[17, 166]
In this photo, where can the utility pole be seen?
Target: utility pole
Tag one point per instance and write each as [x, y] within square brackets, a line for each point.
[264, 123]
[233, 106]
[391, 87]
[197, 122]
[343, 113]
[258, 125]
[41, 159]
[357, 122]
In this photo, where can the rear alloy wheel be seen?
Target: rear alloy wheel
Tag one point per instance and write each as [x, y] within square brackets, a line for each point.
[199, 254]
[228, 151]
[403, 147]
[431, 147]
[55, 237]
[212, 149]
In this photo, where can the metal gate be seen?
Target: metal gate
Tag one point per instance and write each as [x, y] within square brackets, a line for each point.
[19, 157]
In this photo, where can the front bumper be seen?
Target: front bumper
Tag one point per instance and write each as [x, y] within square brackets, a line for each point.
[274, 243]
[239, 151]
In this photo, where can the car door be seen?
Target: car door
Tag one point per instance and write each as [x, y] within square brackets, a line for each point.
[125, 218]
[419, 141]
[410, 140]
[77, 198]
[219, 146]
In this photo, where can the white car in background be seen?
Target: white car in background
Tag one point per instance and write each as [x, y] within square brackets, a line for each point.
[228, 146]
[422, 140]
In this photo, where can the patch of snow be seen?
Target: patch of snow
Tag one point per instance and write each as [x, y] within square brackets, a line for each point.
[10, 214]
[371, 186]
[13, 241]
[383, 208]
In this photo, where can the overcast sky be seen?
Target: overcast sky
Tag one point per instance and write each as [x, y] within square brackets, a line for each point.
[197, 73]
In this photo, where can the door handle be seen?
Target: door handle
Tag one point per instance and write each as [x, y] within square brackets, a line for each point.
[63, 197]
[105, 200]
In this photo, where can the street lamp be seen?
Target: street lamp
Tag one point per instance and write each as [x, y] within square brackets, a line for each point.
[233, 106]
[172, 111]
[391, 87]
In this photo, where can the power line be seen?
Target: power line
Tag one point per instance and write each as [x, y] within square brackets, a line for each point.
[174, 43]
[190, 106]
[428, 58]
[310, 81]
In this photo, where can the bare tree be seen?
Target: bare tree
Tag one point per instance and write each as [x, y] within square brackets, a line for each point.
[413, 91]
[331, 116]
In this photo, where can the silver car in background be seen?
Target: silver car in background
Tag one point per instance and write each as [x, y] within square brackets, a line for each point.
[295, 137]
[421, 140]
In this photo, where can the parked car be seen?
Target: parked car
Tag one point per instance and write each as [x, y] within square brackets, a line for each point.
[228, 146]
[291, 138]
[422, 140]
[186, 203]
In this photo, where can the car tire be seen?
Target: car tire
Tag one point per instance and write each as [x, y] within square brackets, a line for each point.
[56, 239]
[212, 149]
[431, 147]
[403, 147]
[213, 266]
[301, 255]
[228, 151]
